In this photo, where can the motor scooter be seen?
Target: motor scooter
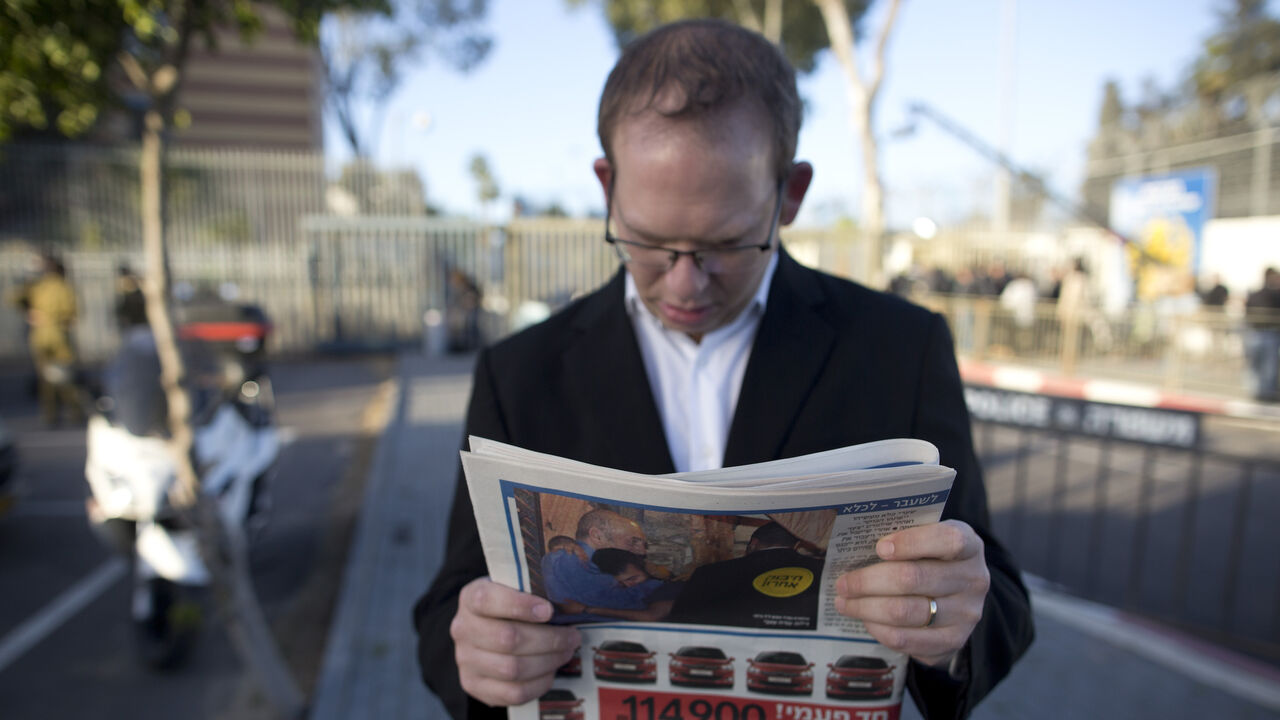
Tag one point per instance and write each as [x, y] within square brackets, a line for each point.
[131, 471]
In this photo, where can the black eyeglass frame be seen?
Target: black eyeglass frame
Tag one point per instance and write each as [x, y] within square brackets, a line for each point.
[697, 256]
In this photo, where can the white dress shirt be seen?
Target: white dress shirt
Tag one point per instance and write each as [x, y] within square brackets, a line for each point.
[696, 385]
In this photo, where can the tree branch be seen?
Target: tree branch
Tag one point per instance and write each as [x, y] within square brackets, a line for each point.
[881, 46]
[133, 69]
[840, 32]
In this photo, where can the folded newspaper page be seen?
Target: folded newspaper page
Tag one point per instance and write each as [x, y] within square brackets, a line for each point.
[706, 595]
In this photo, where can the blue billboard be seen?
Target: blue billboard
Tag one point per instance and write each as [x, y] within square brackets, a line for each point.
[1163, 217]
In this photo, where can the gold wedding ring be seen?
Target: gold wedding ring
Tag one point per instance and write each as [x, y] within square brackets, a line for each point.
[933, 612]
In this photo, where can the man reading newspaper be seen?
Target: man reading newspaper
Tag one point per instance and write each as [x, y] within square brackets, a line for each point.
[712, 347]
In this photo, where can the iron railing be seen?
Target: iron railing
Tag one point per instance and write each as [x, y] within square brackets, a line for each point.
[1184, 536]
[1199, 351]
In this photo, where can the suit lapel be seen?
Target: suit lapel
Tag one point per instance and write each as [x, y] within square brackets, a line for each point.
[621, 417]
[779, 379]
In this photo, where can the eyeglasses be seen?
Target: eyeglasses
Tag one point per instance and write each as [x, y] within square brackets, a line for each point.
[712, 260]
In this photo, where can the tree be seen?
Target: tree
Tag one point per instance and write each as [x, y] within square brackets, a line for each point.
[486, 186]
[796, 26]
[1246, 45]
[1224, 92]
[802, 30]
[863, 93]
[52, 78]
[1112, 113]
[67, 59]
[383, 192]
[363, 51]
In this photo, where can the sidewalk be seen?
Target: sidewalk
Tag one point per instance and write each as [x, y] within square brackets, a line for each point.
[1088, 661]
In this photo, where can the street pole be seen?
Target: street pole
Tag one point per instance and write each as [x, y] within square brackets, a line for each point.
[1008, 50]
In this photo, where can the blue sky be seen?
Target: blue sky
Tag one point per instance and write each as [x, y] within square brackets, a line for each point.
[530, 108]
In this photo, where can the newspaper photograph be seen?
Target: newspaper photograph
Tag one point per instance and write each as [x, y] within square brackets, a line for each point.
[706, 595]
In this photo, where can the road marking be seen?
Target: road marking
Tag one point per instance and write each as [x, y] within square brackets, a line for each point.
[63, 608]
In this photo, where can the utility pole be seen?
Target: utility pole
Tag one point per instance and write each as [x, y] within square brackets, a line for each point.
[1008, 51]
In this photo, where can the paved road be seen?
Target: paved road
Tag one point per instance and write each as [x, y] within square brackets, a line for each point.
[83, 667]
[1155, 530]
[1088, 662]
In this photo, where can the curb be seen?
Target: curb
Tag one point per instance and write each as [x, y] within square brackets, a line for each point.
[1030, 380]
[332, 684]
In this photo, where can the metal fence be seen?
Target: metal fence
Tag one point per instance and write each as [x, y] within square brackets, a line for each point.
[1185, 536]
[364, 282]
[271, 223]
[1202, 350]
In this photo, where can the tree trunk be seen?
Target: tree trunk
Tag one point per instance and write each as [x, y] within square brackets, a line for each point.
[862, 100]
[221, 544]
[773, 21]
[872, 192]
[156, 292]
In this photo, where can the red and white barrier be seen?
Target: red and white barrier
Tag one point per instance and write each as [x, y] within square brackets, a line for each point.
[1030, 380]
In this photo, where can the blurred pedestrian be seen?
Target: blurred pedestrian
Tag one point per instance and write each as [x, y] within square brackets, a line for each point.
[994, 279]
[462, 312]
[19, 297]
[1073, 293]
[52, 312]
[1073, 308]
[1262, 337]
[1019, 299]
[1056, 276]
[965, 283]
[131, 306]
[1216, 295]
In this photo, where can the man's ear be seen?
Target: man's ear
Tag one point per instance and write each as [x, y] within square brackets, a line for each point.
[793, 191]
[596, 539]
[604, 173]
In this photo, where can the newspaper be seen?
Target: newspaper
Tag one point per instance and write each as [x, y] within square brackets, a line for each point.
[716, 598]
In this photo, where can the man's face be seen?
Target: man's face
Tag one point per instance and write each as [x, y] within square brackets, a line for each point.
[689, 185]
[631, 576]
[627, 535]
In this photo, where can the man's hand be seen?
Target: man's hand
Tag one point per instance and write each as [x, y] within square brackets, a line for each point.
[506, 655]
[942, 562]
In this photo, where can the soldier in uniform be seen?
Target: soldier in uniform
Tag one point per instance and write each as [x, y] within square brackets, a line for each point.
[51, 311]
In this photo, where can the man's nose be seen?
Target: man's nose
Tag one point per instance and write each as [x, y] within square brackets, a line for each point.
[686, 278]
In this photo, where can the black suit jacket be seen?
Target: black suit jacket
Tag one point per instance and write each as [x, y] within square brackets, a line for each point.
[832, 364]
[723, 593]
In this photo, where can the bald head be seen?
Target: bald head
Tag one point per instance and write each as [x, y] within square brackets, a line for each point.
[608, 529]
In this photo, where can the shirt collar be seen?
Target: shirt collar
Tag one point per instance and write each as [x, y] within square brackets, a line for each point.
[757, 304]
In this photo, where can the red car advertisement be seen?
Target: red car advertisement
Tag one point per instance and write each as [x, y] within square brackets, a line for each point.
[573, 668]
[559, 704]
[625, 661]
[697, 666]
[855, 677]
[780, 672]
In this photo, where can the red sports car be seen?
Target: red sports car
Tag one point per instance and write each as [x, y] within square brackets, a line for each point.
[560, 705]
[781, 672]
[573, 668]
[855, 677]
[625, 661]
[696, 666]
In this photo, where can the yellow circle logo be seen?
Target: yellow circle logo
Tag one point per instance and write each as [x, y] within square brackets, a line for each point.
[783, 582]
